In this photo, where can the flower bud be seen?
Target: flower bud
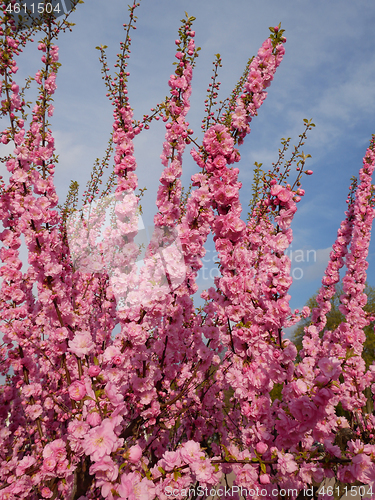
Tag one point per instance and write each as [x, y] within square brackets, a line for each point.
[94, 371]
[93, 419]
[135, 453]
[264, 479]
[261, 448]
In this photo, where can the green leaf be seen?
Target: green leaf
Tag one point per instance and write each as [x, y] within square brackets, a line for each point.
[350, 354]
[99, 392]
[227, 454]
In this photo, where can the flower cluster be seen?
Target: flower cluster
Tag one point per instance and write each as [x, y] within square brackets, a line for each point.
[130, 402]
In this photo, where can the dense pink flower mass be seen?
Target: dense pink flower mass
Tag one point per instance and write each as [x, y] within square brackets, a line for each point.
[117, 387]
[101, 441]
[81, 344]
[77, 390]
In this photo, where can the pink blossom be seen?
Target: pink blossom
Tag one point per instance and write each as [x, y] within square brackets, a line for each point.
[345, 474]
[46, 492]
[22, 153]
[261, 448]
[331, 367]
[111, 353]
[77, 390]
[285, 217]
[94, 371]
[55, 449]
[24, 464]
[303, 409]
[305, 311]
[32, 390]
[78, 428]
[169, 372]
[133, 488]
[129, 483]
[311, 472]
[285, 195]
[93, 418]
[286, 463]
[34, 411]
[49, 463]
[247, 475]
[111, 491]
[82, 344]
[368, 474]
[280, 242]
[204, 471]
[171, 459]
[54, 53]
[62, 467]
[264, 479]
[113, 394]
[50, 83]
[105, 470]
[361, 467]
[101, 441]
[135, 453]
[332, 449]
[191, 452]
[217, 140]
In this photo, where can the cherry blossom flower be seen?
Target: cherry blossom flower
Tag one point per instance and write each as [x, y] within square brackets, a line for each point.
[77, 390]
[82, 344]
[101, 441]
[286, 463]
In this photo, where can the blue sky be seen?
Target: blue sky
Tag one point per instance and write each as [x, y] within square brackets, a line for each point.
[328, 74]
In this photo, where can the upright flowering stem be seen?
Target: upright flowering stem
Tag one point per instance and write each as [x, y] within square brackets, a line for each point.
[338, 353]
